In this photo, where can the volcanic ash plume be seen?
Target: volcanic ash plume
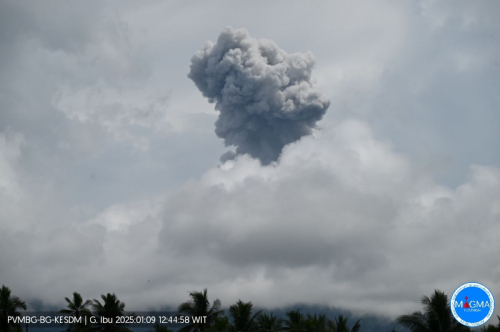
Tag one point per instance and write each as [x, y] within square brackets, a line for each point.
[264, 95]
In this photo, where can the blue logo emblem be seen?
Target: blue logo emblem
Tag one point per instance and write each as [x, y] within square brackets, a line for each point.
[472, 304]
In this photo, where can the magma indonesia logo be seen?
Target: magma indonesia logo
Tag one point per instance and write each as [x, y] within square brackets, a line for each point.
[472, 304]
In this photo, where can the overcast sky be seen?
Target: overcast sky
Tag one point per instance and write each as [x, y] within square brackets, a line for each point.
[110, 179]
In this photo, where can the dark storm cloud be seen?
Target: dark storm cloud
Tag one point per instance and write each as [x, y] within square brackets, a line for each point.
[265, 96]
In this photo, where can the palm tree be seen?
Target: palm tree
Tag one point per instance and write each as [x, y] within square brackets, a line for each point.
[220, 324]
[269, 323]
[200, 306]
[437, 316]
[77, 308]
[9, 306]
[109, 309]
[243, 320]
[340, 325]
[294, 321]
[316, 323]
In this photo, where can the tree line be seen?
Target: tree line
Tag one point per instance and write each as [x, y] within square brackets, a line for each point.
[241, 316]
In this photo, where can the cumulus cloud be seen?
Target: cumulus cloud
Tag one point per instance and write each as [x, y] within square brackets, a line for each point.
[342, 220]
[265, 96]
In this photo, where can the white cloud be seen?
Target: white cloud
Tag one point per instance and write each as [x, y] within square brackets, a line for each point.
[341, 220]
[343, 214]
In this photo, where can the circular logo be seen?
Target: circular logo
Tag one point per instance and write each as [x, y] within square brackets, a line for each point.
[472, 304]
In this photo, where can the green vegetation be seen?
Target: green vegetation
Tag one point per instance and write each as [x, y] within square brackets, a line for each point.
[243, 317]
[110, 308]
[77, 308]
[200, 306]
[9, 306]
[294, 321]
[340, 325]
[436, 316]
[269, 323]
